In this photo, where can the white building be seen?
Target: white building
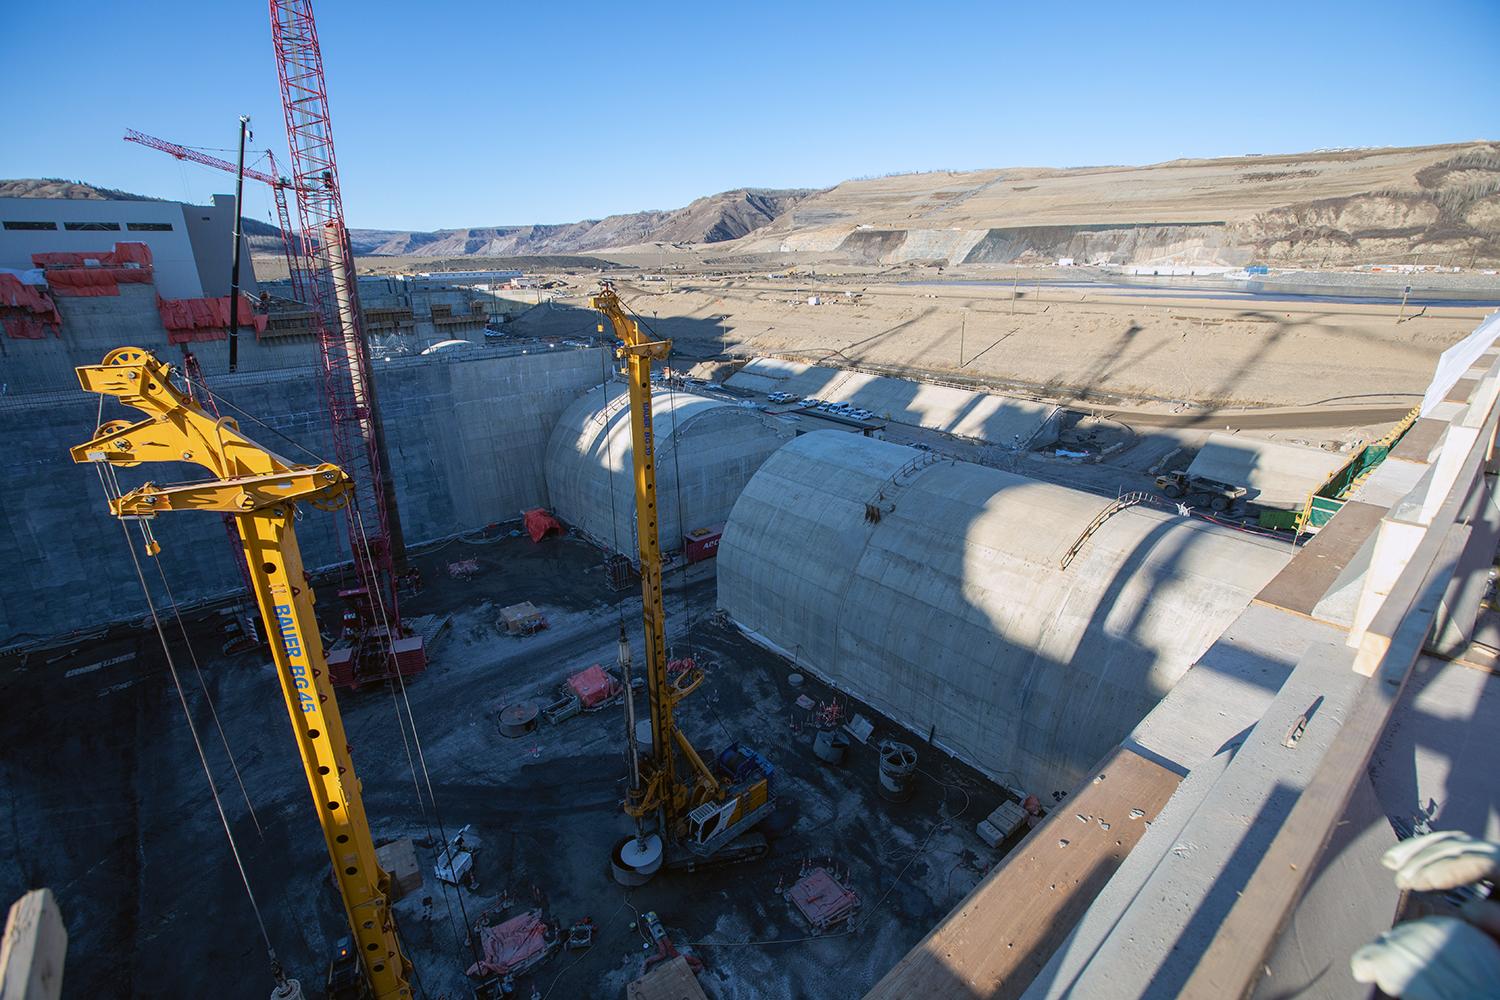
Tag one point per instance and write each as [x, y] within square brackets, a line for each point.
[190, 244]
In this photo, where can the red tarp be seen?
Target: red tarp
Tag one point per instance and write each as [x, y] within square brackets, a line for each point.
[513, 946]
[96, 273]
[593, 686]
[26, 311]
[205, 319]
[540, 524]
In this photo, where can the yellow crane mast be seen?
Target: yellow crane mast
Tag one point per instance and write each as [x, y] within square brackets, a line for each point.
[262, 491]
[707, 812]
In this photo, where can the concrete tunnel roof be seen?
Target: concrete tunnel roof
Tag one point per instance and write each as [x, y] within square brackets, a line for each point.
[706, 450]
[951, 613]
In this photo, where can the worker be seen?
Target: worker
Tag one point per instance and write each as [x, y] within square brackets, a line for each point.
[1439, 958]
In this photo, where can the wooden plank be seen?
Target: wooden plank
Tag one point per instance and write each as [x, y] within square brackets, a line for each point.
[35, 945]
[671, 980]
[995, 942]
[1461, 390]
[1416, 445]
[1302, 583]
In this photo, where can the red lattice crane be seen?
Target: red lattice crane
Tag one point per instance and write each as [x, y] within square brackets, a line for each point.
[376, 649]
[291, 242]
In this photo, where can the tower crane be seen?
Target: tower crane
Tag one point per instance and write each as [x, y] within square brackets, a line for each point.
[290, 241]
[262, 491]
[707, 814]
[373, 626]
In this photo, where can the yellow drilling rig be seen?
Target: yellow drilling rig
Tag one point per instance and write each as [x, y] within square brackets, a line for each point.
[261, 490]
[706, 815]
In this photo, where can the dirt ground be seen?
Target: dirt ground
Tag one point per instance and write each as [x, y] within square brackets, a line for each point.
[1035, 335]
[106, 803]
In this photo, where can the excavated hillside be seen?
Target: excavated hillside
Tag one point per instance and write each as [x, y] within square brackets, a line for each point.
[1433, 204]
[715, 219]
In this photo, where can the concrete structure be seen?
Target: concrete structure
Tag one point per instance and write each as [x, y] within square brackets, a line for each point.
[933, 590]
[706, 451]
[1355, 702]
[988, 417]
[1277, 475]
[466, 434]
[191, 245]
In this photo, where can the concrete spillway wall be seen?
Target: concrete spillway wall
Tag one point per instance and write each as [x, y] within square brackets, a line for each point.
[933, 590]
[706, 451]
[466, 436]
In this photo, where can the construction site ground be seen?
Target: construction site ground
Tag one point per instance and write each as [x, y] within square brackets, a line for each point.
[107, 803]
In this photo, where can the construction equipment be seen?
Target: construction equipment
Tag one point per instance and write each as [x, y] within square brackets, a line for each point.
[371, 520]
[711, 812]
[1220, 496]
[291, 241]
[262, 491]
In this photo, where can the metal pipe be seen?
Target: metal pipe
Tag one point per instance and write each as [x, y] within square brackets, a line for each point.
[234, 268]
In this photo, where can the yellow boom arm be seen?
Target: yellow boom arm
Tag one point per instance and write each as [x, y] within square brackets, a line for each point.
[661, 789]
[262, 491]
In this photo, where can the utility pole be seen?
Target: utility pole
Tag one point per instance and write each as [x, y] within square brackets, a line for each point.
[1404, 293]
[1015, 288]
[234, 268]
[962, 323]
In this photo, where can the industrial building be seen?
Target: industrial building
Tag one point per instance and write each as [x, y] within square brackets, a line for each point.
[611, 680]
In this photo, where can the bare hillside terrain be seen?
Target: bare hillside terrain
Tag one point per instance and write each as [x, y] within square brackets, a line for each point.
[1431, 205]
[714, 219]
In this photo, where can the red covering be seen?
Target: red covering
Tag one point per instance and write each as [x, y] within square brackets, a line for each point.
[540, 524]
[98, 273]
[26, 311]
[122, 255]
[593, 686]
[513, 946]
[205, 319]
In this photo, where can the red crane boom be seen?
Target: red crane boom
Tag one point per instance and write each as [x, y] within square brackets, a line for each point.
[290, 240]
[374, 530]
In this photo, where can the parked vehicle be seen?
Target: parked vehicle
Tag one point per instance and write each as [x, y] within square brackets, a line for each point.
[1221, 496]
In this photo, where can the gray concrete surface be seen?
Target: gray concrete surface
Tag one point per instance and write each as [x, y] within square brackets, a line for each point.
[951, 614]
[466, 436]
[1276, 474]
[706, 451]
[994, 419]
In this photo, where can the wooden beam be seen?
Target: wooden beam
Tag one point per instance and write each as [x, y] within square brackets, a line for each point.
[1002, 934]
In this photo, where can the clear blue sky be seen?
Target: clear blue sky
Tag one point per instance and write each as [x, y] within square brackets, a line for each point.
[453, 114]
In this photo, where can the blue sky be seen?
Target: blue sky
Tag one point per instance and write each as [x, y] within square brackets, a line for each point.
[452, 114]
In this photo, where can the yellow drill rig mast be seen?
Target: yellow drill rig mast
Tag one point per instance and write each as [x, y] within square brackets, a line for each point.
[262, 491]
[709, 813]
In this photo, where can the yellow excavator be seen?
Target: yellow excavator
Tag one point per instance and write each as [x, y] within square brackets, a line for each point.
[706, 815]
[262, 490]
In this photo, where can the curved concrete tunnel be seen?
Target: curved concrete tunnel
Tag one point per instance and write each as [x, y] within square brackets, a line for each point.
[932, 589]
[706, 451]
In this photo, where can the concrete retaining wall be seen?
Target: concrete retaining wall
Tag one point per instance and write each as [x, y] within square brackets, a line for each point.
[466, 436]
[950, 613]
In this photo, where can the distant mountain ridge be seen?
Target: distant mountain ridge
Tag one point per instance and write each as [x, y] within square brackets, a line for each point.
[716, 218]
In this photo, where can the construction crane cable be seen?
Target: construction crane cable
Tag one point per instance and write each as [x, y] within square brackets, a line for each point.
[609, 466]
[207, 697]
[193, 729]
[221, 398]
[416, 738]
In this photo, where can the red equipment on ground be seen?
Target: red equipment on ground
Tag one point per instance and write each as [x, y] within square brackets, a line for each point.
[514, 946]
[540, 524]
[593, 686]
[702, 543]
[822, 900]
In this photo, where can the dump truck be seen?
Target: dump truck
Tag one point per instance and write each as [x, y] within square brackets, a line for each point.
[1221, 496]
